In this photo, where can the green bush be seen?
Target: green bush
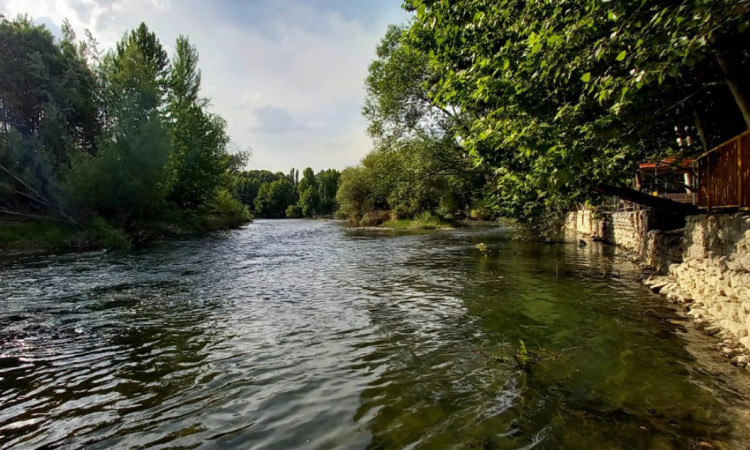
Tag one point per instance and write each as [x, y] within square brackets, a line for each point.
[124, 182]
[374, 218]
[293, 212]
[103, 234]
[231, 210]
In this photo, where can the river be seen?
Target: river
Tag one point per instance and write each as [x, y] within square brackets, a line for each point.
[303, 334]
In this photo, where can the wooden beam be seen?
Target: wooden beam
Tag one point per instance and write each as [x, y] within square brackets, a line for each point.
[631, 195]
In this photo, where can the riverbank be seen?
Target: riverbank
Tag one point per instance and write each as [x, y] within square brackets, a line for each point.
[703, 267]
[42, 236]
[712, 282]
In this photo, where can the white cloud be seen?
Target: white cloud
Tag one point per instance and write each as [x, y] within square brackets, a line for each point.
[288, 76]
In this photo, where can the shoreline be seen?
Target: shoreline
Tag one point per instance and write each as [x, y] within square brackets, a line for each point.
[703, 268]
[41, 237]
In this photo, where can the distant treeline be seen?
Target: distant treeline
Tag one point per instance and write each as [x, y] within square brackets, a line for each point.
[286, 195]
[120, 138]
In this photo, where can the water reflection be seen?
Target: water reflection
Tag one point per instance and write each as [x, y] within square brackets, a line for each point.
[609, 348]
[300, 334]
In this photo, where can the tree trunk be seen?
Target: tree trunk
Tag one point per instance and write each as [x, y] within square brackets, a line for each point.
[631, 195]
[729, 77]
[699, 127]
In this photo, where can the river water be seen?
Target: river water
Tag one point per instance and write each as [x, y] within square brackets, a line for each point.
[303, 334]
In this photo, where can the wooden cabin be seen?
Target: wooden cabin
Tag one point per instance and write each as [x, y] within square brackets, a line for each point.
[669, 178]
[724, 175]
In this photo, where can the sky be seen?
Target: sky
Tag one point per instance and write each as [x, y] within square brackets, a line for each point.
[286, 75]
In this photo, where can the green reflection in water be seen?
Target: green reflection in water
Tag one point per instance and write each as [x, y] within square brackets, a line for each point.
[622, 377]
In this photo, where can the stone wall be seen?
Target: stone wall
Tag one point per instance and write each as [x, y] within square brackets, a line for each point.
[586, 222]
[633, 233]
[714, 278]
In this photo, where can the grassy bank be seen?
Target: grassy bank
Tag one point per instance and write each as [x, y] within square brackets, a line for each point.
[38, 235]
[421, 223]
[34, 236]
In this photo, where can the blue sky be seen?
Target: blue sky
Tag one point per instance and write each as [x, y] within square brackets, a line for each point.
[287, 75]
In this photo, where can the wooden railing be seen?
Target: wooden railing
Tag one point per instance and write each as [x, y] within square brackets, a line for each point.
[724, 175]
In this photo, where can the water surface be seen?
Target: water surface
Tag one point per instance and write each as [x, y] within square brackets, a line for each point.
[301, 334]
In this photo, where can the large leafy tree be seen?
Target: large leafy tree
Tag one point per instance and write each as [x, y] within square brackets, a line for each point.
[328, 184]
[137, 71]
[47, 114]
[418, 159]
[564, 95]
[274, 198]
[199, 157]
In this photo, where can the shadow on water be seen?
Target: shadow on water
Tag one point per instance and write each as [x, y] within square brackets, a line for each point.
[289, 334]
[618, 370]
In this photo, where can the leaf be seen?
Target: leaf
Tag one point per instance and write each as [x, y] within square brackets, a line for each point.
[622, 55]
[586, 77]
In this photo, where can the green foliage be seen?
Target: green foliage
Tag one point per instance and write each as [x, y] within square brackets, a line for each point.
[47, 114]
[231, 210]
[423, 221]
[125, 181]
[274, 198]
[309, 201]
[328, 184]
[522, 356]
[25, 235]
[354, 195]
[418, 165]
[246, 184]
[558, 97]
[128, 138]
[106, 236]
[137, 71]
[293, 212]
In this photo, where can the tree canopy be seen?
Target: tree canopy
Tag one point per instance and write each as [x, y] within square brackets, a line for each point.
[560, 96]
[124, 136]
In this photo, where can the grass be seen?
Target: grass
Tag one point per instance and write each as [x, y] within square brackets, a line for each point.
[48, 236]
[35, 234]
[423, 221]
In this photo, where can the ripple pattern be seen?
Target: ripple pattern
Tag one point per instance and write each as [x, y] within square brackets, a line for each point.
[290, 334]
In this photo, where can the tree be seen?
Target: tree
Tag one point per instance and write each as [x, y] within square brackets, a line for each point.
[308, 201]
[307, 192]
[137, 71]
[124, 182]
[354, 195]
[47, 115]
[564, 96]
[199, 158]
[328, 184]
[418, 159]
[116, 139]
[274, 198]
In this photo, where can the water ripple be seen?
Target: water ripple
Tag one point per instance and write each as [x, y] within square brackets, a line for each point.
[299, 333]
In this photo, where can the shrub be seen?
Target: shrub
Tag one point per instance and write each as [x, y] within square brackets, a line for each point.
[374, 218]
[293, 212]
[230, 209]
[107, 236]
